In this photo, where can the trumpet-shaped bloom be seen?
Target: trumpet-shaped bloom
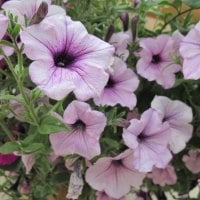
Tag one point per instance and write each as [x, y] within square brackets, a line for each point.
[114, 175]
[163, 177]
[192, 161]
[7, 159]
[120, 87]
[85, 125]
[66, 58]
[158, 60]
[21, 8]
[178, 115]
[190, 52]
[149, 138]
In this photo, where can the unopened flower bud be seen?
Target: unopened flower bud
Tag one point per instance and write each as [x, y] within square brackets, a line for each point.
[125, 20]
[109, 33]
[134, 22]
[40, 14]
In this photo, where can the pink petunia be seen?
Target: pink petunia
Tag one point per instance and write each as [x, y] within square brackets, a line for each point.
[162, 177]
[114, 175]
[192, 161]
[158, 60]
[149, 138]
[7, 159]
[66, 58]
[85, 125]
[178, 115]
[4, 25]
[120, 87]
[22, 8]
[190, 52]
[120, 41]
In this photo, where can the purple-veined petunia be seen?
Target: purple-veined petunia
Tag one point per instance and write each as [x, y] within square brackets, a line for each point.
[158, 60]
[85, 128]
[178, 115]
[162, 177]
[121, 84]
[189, 50]
[149, 138]
[27, 9]
[66, 58]
[114, 175]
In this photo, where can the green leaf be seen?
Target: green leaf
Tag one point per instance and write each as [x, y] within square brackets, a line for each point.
[111, 143]
[6, 43]
[9, 147]
[50, 124]
[31, 148]
[192, 3]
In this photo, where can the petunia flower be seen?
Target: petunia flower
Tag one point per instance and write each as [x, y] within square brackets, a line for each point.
[7, 159]
[189, 50]
[158, 60]
[178, 115]
[115, 175]
[66, 58]
[27, 9]
[192, 161]
[85, 125]
[4, 25]
[120, 87]
[162, 177]
[149, 138]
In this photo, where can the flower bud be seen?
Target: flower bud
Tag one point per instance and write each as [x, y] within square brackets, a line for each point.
[40, 14]
[134, 22]
[109, 33]
[125, 20]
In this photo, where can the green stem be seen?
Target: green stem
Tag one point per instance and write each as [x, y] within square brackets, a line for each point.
[6, 130]
[175, 17]
[20, 85]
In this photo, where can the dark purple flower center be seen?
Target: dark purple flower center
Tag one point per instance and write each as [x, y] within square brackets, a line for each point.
[156, 59]
[110, 83]
[79, 125]
[63, 59]
[141, 137]
[117, 163]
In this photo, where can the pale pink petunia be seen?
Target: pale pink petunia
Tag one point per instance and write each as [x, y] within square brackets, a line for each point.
[7, 159]
[66, 58]
[120, 41]
[149, 138]
[85, 128]
[21, 8]
[192, 161]
[3, 28]
[28, 161]
[158, 59]
[162, 177]
[178, 115]
[190, 52]
[120, 87]
[115, 175]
